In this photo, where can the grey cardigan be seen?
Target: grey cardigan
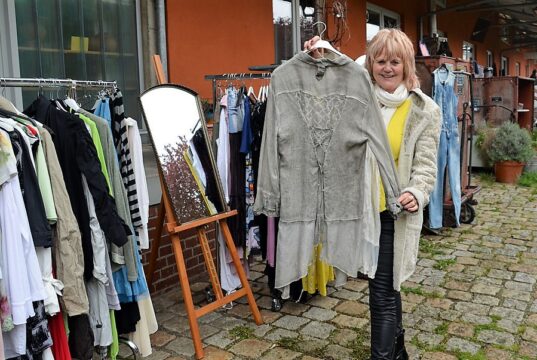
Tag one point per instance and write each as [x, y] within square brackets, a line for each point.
[321, 117]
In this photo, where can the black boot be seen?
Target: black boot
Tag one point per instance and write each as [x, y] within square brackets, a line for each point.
[399, 348]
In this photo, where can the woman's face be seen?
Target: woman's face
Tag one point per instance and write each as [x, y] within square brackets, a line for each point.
[388, 72]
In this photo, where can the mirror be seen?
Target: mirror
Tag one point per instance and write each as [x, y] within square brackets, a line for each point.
[178, 132]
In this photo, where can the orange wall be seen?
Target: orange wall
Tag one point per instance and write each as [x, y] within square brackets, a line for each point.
[216, 37]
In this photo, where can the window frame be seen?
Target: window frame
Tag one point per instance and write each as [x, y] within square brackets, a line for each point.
[517, 68]
[471, 50]
[382, 12]
[504, 65]
[490, 58]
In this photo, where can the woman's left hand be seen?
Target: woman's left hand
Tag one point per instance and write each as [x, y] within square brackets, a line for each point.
[409, 202]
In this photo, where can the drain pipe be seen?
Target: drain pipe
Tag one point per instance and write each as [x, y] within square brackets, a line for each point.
[161, 34]
[434, 25]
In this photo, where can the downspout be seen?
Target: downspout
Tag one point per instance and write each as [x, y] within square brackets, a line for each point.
[434, 26]
[160, 6]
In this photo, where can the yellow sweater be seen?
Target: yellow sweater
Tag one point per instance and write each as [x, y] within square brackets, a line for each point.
[395, 130]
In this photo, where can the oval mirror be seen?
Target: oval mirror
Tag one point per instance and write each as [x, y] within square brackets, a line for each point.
[177, 129]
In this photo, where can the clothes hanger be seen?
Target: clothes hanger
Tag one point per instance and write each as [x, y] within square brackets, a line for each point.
[323, 44]
[69, 101]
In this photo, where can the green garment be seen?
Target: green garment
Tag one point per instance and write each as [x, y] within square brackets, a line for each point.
[114, 347]
[97, 141]
[45, 186]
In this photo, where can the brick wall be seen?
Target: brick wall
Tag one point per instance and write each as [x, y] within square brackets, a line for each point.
[165, 276]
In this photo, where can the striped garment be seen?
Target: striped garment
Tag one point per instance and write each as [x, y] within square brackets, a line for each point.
[119, 132]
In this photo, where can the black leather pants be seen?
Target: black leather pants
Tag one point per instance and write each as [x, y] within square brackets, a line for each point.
[384, 301]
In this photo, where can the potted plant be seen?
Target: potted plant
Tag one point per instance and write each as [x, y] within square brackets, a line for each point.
[508, 147]
[531, 165]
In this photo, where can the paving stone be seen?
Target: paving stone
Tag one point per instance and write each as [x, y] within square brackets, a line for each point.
[530, 334]
[515, 304]
[532, 320]
[163, 316]
[220, 340]
[210, 317]
[439, 303]
[343, 336]
[459, 295]
[206, 330]
[356, 285]
[158, 355]
[485, 289]
[347, 294]
[506, 313]
[437, 356]
[176, 324]
[161, 338]
[516, 294]
[464, 260]
[178, 358]
[278, 334]
[467, 307]
[525, 278]
[460, 329]
[313, 346]
[269, 316]
[457, 285]
[252, 348]
[260, 330]
[293, 308]
[476, 319]
[508, 325]
[352, 308]
[337, 352]
[290, 322]
[280, 353]
[212, 353]
[240, 310]
[307, 357]
[319, 314]
[456, 344]
[527, 349]
[428, 324]
[450, 315]
[486, 300]
[228, 323]
[324, 302]
[494, 353]
[514, 285]
[496, 337]
[350, 321]
[318, 330]
[182, 346]
[430, 340]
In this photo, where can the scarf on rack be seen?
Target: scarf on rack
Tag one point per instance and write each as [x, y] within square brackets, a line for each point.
[389, 102]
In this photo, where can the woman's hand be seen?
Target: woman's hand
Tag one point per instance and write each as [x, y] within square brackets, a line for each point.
[409, 202]
[309, 44]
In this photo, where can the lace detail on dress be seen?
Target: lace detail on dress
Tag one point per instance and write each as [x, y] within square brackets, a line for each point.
[321, 115]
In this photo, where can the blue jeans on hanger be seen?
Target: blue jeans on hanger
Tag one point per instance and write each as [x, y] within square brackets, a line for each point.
[448, 157]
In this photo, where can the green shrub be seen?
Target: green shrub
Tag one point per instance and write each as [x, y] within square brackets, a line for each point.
[509, 142]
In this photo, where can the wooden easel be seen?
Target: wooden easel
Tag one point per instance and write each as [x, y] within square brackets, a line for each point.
[165, 210]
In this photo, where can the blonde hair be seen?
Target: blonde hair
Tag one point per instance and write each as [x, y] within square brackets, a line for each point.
[393, 43]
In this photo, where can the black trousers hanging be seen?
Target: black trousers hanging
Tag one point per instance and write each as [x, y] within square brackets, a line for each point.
[384, 301]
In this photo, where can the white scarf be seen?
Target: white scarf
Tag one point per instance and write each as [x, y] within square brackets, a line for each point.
[390, 102]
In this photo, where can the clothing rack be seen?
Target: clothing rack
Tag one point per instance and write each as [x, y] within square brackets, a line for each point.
[51, 82]
[235, 76]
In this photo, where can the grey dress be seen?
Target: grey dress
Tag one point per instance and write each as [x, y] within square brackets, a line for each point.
[321, 120]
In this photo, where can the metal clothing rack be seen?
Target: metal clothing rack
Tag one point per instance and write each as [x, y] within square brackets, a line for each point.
[234, 76]
[51, 82]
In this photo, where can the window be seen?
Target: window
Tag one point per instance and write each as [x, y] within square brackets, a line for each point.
[490, 58]
[467, 51]
[292, 20]
[517, 68]
[83, 40]
[504, 68]
[379, 18]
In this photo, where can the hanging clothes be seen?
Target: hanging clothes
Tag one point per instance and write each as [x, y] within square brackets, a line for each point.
[448, 150]
[77, 155]
[67, 243]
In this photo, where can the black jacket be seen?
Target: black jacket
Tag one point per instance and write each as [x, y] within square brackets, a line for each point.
[77, 156]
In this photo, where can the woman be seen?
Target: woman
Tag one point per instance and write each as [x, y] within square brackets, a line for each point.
[413, 126]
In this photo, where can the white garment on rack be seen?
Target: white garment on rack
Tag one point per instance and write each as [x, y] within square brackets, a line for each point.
[20, 267]
[137, 158]
[146, 326]
[53, 287]
[222, 156]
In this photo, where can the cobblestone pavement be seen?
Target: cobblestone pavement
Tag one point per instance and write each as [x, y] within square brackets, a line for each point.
[472, 297]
